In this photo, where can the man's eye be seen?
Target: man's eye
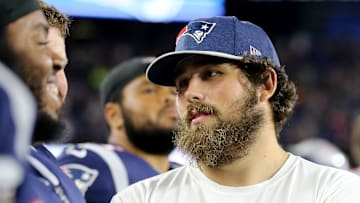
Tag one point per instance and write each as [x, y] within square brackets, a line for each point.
[43, 43]
[181, 85]
[57, 67]
[210, 74]
[149, 91]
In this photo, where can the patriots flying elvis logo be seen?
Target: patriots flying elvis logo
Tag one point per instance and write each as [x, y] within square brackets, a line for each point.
[82, 176]
[197, 30]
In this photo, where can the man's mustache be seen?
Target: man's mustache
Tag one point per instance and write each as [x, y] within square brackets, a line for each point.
[200, 108]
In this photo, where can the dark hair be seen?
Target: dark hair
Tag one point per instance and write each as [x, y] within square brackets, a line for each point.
[3, 45]
[6, 53]
[284, 99]
[56, 18]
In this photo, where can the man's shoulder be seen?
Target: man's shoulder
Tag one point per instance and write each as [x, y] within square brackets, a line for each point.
[96, 154]
[90, 159]
[324, 174]
[103, 164]
[164, 179]
[46, 170]
[174, 180]
[93, 165]
[17, 113]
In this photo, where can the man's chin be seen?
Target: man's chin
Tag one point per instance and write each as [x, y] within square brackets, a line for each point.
[51, 113]
[48, 129]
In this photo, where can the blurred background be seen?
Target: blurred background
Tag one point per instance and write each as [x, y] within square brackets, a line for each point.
[319, 42]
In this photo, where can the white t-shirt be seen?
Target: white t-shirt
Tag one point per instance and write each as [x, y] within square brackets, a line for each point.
[297, 181]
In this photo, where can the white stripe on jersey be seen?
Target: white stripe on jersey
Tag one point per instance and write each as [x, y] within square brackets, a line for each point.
[23, 109]
[44, 171]
[115, 164]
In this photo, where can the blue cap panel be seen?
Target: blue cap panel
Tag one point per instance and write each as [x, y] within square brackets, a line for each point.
[223, 36]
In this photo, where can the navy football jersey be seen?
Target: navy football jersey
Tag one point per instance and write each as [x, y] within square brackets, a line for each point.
[57, 186]
[102, 170]
[44, 181]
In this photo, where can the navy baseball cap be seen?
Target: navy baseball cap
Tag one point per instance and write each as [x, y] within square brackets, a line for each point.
[11, 10]
[121, 75]
[222, 36]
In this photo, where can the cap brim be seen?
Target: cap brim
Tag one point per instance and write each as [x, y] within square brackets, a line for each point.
[162, 70]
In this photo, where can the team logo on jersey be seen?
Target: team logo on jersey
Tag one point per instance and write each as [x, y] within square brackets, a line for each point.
[82, 176]
[198, 30]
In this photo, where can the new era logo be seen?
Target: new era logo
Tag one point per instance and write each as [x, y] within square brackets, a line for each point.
[197, 30]
[254, 51]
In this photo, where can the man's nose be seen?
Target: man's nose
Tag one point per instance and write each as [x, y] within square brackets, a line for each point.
[194, 91]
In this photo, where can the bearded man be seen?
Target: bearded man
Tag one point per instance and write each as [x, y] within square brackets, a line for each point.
[234, 97]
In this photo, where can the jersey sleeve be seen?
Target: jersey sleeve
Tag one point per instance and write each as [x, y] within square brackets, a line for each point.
[17, 114]
[17, 118]
[94, 169]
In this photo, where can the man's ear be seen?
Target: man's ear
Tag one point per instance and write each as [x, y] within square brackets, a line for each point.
[113, 115]
[269, 87]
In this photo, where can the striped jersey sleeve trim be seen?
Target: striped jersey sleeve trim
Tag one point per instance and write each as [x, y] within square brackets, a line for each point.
[23, 108]
[114, 162]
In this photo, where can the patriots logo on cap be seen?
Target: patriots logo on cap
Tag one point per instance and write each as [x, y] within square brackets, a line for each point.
[197, 30]
[82, 176]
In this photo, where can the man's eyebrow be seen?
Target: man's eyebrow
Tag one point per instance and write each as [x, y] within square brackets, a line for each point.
[44, 27]
[178, 71]
[144, 83]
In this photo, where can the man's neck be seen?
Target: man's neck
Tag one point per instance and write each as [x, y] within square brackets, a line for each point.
[265, 158]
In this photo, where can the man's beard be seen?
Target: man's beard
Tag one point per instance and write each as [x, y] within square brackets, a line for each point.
[49, 130]
[149, 139]
[17, 64]
[224, 141]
